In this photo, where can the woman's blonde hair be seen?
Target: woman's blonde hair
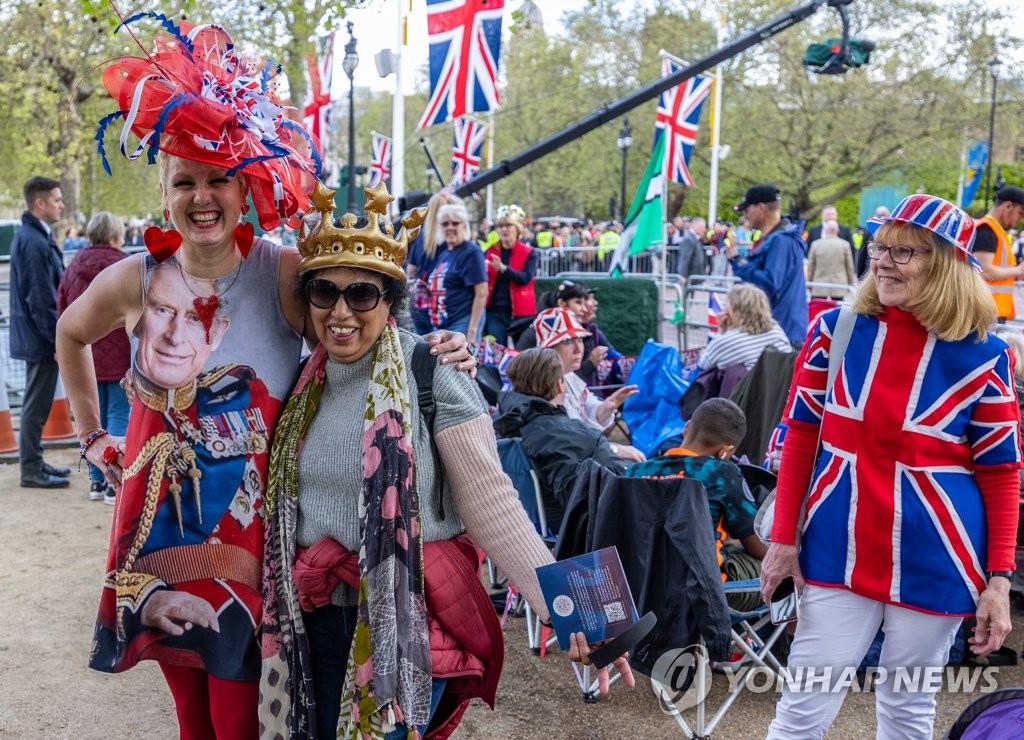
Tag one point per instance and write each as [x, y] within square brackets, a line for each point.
[431, 231]
[953, 304]
[750, 309]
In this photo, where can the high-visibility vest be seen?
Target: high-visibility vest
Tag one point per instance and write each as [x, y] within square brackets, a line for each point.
[607, 243]
[545, 238]
[1002, 290]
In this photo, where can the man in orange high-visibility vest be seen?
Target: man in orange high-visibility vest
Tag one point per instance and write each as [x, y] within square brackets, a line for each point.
[993, 248]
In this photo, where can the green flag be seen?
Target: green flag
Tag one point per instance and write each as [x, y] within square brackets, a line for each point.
[645, 225]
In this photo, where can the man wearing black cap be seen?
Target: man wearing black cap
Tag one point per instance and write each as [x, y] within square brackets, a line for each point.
[993, 248]
[776, 266]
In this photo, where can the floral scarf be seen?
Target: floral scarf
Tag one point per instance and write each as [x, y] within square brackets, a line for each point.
[388, 679]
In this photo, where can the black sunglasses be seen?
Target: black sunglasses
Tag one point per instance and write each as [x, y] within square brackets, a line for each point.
[359, 296]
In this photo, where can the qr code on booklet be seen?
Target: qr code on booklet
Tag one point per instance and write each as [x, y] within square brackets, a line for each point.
[615, 612]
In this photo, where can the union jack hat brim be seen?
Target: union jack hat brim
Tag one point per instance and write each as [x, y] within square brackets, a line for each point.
[555, 325]
[948, 222]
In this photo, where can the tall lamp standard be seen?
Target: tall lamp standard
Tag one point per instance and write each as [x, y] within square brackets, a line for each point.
[349, 64]
[624, 142]
[993, 66]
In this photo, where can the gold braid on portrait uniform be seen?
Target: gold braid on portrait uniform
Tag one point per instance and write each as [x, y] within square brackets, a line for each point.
[131, 586]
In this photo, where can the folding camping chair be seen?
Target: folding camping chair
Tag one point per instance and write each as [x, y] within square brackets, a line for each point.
[517, 466]
[677, 531]
[745, 637]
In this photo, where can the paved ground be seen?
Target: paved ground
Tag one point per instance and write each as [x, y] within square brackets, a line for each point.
[54, 547]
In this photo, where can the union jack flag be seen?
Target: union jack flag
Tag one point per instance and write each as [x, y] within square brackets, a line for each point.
[380, 165]
[678, 115]
[465, 44]
[714, 308]
[466, 149]
[894, 512]
[317, 107]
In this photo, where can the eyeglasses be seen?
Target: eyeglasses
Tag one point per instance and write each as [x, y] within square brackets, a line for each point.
[358, 296]
[899, 254]
[446, 224]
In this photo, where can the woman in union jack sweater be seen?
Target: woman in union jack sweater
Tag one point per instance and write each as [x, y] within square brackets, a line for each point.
[904, 515]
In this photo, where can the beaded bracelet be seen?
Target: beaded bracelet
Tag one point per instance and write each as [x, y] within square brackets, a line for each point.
[90, 439]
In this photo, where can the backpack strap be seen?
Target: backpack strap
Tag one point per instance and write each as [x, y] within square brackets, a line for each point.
[423, 366]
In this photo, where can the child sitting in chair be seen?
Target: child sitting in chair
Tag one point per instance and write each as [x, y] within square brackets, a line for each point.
[709, 440]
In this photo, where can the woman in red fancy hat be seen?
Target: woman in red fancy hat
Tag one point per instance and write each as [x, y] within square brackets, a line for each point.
[216, 332]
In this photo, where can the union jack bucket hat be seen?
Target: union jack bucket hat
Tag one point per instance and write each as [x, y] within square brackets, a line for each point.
[555, 325]
[938, 216]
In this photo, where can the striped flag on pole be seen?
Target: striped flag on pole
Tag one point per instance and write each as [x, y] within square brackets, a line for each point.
[678, 115]
[465, 44]
[466, 151]
[317, 105]
[380, 164]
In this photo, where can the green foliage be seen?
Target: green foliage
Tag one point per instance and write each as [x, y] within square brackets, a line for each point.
[821, 138]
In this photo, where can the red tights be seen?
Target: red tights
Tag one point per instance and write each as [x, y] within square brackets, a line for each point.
[212, 708]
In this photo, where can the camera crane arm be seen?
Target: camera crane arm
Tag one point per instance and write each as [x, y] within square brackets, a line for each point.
[611, 111]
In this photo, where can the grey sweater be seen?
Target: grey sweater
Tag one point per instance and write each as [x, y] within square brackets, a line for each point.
[330, 463]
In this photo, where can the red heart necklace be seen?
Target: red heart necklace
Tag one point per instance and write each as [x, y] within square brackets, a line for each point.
[206, 307]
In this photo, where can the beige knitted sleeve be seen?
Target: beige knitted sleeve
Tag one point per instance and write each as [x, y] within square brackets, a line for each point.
[489, 506]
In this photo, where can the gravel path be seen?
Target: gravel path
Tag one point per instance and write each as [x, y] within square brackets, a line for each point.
[54, 549]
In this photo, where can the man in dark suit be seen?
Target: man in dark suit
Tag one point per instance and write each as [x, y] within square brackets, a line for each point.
[36, 269]
[829, 213]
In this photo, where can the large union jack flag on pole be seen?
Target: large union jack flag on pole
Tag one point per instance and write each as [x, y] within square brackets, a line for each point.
[465, 43]
[317, 105]
[678, 115]
[466, 151]
[380, 165]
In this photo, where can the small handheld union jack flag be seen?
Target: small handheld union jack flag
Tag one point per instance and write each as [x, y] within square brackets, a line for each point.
[469, 143]
[380, 165]
[465, 44]
[678, 115]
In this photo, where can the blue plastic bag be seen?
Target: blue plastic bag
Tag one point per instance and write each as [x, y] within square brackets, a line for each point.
[653, 414]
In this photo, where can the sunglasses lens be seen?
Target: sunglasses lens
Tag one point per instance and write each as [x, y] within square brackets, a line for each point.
[362, 296]
[322, 293]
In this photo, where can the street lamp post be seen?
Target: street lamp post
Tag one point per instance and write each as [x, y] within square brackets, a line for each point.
[430, 179]
[624, 142]
[349, 64]
[993, 66]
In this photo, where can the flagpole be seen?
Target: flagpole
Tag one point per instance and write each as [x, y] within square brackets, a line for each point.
[398, 109]
[960, 179]
[716, 128]
[490, 163]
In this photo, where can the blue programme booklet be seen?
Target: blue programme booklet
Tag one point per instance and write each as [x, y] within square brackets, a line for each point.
[588, 594]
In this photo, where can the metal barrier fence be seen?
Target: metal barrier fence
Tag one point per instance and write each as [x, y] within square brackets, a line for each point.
[552, 262]
[697, 296]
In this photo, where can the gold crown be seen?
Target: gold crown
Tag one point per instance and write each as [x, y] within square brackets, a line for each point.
[368, 248]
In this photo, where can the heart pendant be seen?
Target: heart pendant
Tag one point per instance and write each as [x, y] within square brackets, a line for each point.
[207, 309]
[161, 244]
[245, 237]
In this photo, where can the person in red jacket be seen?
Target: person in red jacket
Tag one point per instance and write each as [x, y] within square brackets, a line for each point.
[111, 355]
[511, 272]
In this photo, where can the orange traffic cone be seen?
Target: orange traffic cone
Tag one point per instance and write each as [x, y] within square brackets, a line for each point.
[8, 442]
[58, 428]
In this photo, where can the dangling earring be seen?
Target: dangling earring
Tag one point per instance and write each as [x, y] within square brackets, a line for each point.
[245, 238]
[161, 244]
[167, 216]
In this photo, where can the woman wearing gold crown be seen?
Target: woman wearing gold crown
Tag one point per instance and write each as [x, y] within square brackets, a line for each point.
[216, 334]
[376, 623]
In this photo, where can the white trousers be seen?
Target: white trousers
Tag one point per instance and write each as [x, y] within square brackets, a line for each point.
[835, 630]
